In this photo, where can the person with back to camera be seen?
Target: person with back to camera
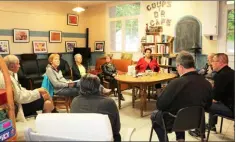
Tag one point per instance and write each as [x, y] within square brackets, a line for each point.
[190, 89]
[89, 100]
[109, 71]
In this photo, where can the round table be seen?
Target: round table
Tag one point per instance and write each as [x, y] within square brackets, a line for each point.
[143, 82]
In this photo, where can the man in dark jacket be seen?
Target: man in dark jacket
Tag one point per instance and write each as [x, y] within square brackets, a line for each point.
[191, 89]
[223, 89]
[90, 101]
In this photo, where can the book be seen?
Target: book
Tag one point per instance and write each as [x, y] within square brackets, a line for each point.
[8, 133]
[5, 124]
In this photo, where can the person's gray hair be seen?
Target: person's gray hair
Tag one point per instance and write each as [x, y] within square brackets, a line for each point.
[185, 59]
[10, 59]
[89, 85]
[77, 55]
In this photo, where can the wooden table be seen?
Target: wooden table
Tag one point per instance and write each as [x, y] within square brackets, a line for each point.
[143, 82]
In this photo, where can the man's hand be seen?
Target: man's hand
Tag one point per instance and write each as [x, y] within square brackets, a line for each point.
[42, 90]
[46, 96]
[214, 101]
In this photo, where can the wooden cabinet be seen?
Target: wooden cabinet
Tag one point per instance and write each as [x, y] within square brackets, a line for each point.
[8, 95]
[210, 15]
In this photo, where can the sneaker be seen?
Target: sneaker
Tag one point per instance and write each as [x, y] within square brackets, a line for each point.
[213, 128]
[194, 133]
[122, 98]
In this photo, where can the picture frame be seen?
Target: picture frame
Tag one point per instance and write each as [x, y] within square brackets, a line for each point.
[70, 45]
[40, 47]
[55, 36]
[4, 47]
[72, 19]
[99, 46]
[21, 35]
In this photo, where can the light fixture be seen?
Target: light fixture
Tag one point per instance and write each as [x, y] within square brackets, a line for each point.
[78, 9]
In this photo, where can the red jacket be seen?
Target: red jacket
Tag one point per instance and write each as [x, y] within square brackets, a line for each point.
[142, 65]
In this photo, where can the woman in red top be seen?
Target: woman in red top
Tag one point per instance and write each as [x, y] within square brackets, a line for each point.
[147, 62]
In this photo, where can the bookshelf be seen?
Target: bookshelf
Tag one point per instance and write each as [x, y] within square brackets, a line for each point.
[161, 45]
[7, 101]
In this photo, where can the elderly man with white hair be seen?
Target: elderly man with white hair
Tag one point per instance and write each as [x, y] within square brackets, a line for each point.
[28, 101]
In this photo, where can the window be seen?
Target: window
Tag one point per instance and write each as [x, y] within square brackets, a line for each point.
[123, 30]
[230, 30]
[188, 34]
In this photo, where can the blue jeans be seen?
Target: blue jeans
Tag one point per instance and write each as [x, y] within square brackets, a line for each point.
[218, 108]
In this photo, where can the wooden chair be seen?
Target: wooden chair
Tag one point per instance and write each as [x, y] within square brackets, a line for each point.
[62, 101]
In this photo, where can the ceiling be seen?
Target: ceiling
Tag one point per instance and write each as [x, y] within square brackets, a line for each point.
[85, 3]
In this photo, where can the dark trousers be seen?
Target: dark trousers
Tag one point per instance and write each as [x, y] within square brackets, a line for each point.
[218, 108]
[160, 128]
[114, 84]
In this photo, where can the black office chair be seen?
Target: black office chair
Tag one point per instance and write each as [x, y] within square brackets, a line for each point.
[186, 119]
[221, 124]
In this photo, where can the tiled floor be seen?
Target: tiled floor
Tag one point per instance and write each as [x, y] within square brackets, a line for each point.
[130, 118]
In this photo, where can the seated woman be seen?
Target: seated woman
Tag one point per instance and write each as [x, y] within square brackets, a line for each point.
[90, 101]
[147, 62]
[60, 84]
[109, 71]
[78, 69]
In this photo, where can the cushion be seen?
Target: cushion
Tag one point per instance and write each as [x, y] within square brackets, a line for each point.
[83, 126]
[126, 56]
[42, 64]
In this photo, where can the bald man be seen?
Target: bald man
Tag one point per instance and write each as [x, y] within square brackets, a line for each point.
[28, 101]
[223, 89]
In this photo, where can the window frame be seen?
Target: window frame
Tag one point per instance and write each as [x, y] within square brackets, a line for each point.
[229, 7]
[122, 19]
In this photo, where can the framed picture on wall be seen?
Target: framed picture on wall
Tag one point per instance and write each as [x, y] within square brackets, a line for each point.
[70, 45]
[99, 46]
[4, 47]
[40, 46]
[55, 36]
[72, 19]
[21, 35]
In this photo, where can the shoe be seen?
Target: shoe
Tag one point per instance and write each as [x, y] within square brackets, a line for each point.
[122, 98]
[213, 128]
[54, 111]
[194, 133]
[106, 91]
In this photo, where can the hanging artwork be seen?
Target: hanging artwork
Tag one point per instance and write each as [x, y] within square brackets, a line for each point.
[70, 45]
[40, 47]
[72, 19]
[4, 47]
[21, 35]
[55, 36]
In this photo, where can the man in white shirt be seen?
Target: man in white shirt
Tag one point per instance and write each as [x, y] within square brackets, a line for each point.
[28, 101]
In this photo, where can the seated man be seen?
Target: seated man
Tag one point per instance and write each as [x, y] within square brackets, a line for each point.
[191, 89]
[207, 69]
[90, 101]
[223, 89]
[29, 101]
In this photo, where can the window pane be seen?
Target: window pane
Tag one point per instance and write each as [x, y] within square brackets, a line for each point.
[116, 36]
[124, 10]
[131, 35]
[230, 32]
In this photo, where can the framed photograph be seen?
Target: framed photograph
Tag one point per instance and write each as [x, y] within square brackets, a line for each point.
[99, 46]
[72, 19]
[55, 36]
[70, 45]
[4, 47]
[40, 46]
[21, 35]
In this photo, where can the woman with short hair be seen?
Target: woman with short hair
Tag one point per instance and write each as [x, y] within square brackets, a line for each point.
[90, 101]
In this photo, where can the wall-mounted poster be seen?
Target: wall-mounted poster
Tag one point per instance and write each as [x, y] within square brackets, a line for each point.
[70, 45]
[72, 19]
[55, 36]
[99, 46]
[4, 47]
[21, 35]
[40, 46]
